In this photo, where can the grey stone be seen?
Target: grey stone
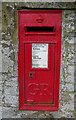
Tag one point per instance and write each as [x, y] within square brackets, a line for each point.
[9, 47]
[0, 112]
[0, 58]
[7, 64]
[8, 112]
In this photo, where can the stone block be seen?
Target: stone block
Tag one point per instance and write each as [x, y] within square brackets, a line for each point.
[7, 65]
[8, 112]
[0, 58]
[0, 112]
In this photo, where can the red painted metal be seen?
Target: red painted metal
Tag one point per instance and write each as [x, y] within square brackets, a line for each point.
[41, 92]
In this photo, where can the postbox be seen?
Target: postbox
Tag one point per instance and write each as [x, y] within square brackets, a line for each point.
[39, 59]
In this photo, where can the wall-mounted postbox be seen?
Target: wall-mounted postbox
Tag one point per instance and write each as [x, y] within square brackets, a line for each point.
[39, 59]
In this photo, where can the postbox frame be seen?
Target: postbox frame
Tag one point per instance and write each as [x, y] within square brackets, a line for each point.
[55, 105]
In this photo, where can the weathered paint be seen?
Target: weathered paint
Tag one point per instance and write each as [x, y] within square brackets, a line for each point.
[9, 67]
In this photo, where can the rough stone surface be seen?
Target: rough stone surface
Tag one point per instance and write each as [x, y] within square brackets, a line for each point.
[50, 5]
[0, 62]
[10, 93]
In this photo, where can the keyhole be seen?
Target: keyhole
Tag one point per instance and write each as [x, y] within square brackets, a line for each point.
[31, 74]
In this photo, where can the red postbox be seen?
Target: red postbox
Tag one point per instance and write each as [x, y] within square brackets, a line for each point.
[39, 59]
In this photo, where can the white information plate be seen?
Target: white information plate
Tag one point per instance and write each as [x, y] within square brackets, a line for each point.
[39, 55]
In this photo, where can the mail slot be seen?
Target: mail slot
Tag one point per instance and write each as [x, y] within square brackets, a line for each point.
[39, 59]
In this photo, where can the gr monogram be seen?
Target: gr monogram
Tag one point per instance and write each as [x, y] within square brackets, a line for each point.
[41, 89]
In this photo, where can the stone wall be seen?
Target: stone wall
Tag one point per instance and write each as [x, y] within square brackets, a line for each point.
[0, 63]
[9, 48]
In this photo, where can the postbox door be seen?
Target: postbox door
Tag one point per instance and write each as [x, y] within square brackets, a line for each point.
[39, 72]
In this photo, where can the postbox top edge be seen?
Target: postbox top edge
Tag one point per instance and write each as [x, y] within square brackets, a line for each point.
[40, 11]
